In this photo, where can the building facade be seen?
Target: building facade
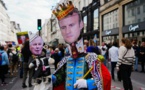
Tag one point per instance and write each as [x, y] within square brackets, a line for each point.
[8, 29]
[54, 33]
[4, 23]
[44, 31]
[122, 18]
[15, 28]
[90, 15]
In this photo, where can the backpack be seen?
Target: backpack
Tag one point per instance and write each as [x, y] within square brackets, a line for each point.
[1, 58]
[8, 52]
[15, 57]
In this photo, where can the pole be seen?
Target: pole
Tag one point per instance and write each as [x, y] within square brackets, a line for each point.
[39, 33]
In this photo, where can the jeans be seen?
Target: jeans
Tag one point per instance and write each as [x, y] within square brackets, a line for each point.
[126, 74]
[113, 65]
[136, 63]
[26, 70]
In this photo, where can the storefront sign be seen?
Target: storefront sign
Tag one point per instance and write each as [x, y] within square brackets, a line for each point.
[133, 28]
[114, 31]
[108, 32]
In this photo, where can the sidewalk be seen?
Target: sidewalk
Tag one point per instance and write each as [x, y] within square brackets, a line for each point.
[18, 85]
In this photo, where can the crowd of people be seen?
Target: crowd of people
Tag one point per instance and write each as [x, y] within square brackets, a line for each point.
[79, 64]
[12, 57]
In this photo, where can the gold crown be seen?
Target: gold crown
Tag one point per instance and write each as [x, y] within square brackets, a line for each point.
[64, 10]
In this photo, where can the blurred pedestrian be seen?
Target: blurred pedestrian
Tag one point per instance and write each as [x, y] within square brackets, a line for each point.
[48, 53]
[73, 68]
[67, 47]
[142, 56]
[103, 49]
[136, 50]
[125, 63]
[14, 61]
[4, 62]
[40, 63]
[61, 49]
[26, 56]
[92, 47]
[56, 56]
[113, 57]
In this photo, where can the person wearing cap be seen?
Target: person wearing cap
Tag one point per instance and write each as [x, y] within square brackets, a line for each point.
[36, 44]
[41, 63]
[78, 63]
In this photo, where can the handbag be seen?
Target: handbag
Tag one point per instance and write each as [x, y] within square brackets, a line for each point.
[125, 53]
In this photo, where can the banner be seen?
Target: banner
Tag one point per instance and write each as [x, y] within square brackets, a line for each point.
[22, 37]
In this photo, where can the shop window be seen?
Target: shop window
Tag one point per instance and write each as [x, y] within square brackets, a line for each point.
[140, 34]
[139, 20]
[111, 18]
[133, 13]
[95, 26]
[84, 2]
[79, 5]
[135, 34]
[144, 8]
[138, 10]
[128, 13]
[130, 35]
[85, 24]
[128, 22]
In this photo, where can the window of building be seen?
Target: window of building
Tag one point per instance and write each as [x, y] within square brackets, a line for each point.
[84, 2]
[132, 12]
[144, 8]
[85, 24]
[138, 10]
[144, 19]
[110, 20]
[79, 5]
[95, 26]
[136, 15]
[128, 13]
[138, 20]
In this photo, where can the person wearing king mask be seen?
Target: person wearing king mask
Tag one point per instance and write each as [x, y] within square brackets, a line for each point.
[41, 63]
[36, 46]
[74, 67]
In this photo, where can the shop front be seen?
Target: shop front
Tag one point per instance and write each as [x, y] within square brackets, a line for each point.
[90, 16]
[134, 20]
[135, 31]
[108, 36]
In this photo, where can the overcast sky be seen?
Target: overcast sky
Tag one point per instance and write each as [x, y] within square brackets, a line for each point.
[26, 12]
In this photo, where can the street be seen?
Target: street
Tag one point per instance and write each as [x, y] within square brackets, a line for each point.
[138, 82]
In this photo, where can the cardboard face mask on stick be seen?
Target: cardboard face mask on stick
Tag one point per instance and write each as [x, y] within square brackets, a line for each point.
[70, 22]
[36, 44]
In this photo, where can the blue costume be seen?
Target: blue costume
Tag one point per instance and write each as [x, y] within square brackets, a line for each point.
[75, 69]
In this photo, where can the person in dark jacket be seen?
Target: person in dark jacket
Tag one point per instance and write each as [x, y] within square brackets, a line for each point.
[26, 55]
[142, 55]
[136, 50]
[56, 56]
[3, 65]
